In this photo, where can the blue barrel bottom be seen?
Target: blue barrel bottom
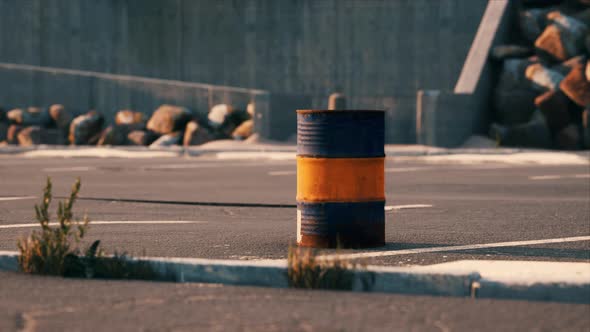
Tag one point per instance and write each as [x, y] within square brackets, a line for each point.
[343, 225]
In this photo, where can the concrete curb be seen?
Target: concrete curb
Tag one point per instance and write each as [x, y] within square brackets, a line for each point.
[288, 152]
[445, 279]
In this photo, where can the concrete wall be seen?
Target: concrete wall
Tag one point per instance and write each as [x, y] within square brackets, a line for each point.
[448, 117]
[379, 53]
[80, 91]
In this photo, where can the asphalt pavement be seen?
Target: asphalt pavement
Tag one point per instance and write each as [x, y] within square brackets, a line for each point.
[244, 209]
[56, 304]
[240, 209]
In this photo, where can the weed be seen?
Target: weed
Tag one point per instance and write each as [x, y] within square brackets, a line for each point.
[306, 271]
[56, 250]
[48, 250]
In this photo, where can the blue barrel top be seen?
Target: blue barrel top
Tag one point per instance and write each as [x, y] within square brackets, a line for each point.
[340, 134]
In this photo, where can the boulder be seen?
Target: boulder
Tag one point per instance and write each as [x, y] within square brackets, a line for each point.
[32, 116]
[231, 122]
[586, 129]
[502, 52]
[113, 135]
[86, 129]
[141, 137]
[563, 38]
[118, 134]
[60, 116]
[555, 107]
[168, 119]
[128, 117]
[167, 140]
[543, 78]
[583, 15]
[218, 113]
[565, 67]
[569, 138]
[576, 87]
[196, 134]
[514, 106]
[35, 135]
[12, 133]
[337, 101]
[3, 131]
[244, 130]
[532, 22]
[514, 95]
[534, 134]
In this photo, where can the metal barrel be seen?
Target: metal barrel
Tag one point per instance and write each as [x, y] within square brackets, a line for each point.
[340, 178]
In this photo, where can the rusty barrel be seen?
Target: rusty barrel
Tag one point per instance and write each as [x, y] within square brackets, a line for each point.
[340, 178]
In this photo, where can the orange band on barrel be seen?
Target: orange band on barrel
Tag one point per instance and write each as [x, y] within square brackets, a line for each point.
[340, 179]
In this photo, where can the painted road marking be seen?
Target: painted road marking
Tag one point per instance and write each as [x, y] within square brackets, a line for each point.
[69, 169]
[116, 222]
[557, 177]
[388, 253]
[387, 170]
[281, 173]
[405, 169]
[16, 198]
[408, 206]
[204, 165]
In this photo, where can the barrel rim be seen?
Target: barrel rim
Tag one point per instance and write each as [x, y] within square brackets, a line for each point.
[309, 111]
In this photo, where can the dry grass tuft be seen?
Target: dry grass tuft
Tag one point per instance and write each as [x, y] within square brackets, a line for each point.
[55, 250]
[47, 251]
[306, 271]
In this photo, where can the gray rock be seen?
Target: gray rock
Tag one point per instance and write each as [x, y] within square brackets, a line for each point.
[196, 134]
[129, 117]
[555, 107]
[167, 140]
[533, 134]
[563, 38]
[35, 135]
[244, 130]
[218, 113]
[168, 118]
[231, 122]
[32, 116]
[86, 129]
[12, 133]
[532, 22]
[543, 78]
[141, 137]
[3, 131]
[569, 138]
[60, 116]
[576, 87]
[586, 129]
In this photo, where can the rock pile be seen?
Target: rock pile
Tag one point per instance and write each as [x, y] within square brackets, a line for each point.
[168, 125]
[542, 97]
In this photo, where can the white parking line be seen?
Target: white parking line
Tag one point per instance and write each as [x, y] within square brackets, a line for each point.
[408, 206]
[115, 222]
[207, 165]
[373, 254]
[387, 170]
[69, 169]
[405, 169]
[16, 198]
[557, 177]
[281, 173]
